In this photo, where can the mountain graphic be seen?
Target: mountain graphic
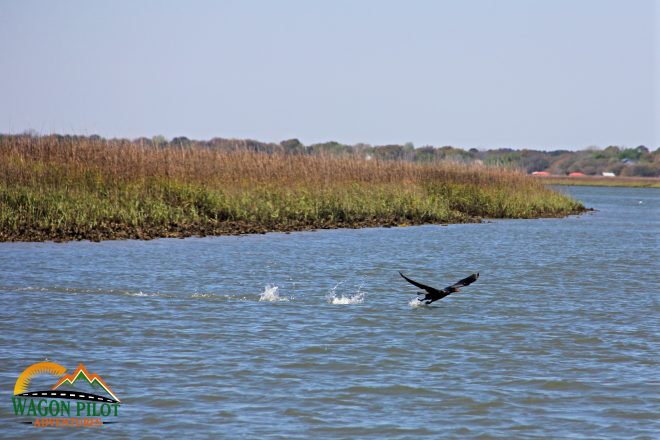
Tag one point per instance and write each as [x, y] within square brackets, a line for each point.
[81, 373]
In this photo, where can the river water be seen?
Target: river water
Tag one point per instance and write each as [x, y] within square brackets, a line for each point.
[315, 335]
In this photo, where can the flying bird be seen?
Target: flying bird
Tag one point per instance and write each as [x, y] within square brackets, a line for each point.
[436, 294]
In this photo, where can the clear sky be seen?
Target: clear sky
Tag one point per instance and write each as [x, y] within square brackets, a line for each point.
[468, 73]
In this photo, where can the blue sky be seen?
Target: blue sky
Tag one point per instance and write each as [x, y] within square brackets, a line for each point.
[472, 73]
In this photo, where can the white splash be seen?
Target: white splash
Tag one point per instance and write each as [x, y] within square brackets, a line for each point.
[141, 293]
[358, 298]
[201, 295]
[414, 302]
[270, 294]
[332, 297]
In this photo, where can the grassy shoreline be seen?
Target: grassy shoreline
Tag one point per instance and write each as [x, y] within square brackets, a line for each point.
[633, 182]
[97, 190]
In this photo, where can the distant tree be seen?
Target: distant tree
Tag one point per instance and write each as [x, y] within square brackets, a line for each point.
[389, 152]
[612, 151]
[159, 140]
[642, 170]
[331, 147]
[409, 151]
[534, 162]
[181, 141]
[364, 150]
[457, 155]
[631, 154]
[505, 157]
[425, 154]
[143, 142]
[608, 153]
[562, 163]
[293, 146]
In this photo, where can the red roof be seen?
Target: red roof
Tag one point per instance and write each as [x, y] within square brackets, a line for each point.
[576, 174]
[541, 173]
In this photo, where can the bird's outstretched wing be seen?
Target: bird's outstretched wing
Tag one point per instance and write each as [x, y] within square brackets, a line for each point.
[429, 289]
[462, 283]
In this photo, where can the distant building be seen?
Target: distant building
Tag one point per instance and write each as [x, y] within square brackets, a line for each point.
[540, 173]
[607, 174]
[576, 174]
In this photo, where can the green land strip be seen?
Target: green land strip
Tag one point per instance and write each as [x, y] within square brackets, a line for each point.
[633, 182]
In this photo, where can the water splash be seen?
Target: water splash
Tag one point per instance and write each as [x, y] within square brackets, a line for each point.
[358, 298]
[332, 297]
[201, 295]
[141, 293]
[270, 294]
[414, 302]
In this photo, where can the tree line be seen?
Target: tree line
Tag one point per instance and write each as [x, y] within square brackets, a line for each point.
[622, 161]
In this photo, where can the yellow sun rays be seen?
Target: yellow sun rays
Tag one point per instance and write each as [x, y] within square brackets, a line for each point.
[36, 370]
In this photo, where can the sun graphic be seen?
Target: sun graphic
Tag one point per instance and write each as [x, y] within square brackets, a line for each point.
[37, 370]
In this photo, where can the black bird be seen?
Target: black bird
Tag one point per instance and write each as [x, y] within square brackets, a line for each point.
[436, 294]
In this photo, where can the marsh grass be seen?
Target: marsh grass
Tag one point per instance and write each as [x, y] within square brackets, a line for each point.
[96, 189]
[626, 181]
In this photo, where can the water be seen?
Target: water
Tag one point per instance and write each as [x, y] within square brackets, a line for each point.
[315, 335]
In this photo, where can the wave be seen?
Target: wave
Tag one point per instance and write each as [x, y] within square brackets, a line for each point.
[85, 291]
[271, 294]
[202, 295]
[357, 298]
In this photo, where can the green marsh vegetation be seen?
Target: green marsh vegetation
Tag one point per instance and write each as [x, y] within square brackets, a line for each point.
[632, 181]
[54, 188]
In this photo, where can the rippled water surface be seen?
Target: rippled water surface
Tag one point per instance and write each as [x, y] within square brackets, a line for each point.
[314, 334]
